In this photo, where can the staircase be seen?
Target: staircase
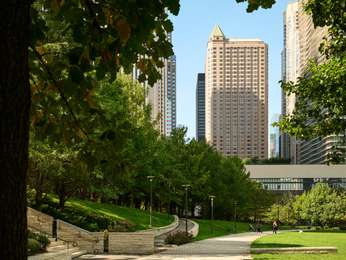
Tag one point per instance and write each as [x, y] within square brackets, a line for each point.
[59, 250]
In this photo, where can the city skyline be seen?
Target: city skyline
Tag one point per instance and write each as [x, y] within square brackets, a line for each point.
[235, 22]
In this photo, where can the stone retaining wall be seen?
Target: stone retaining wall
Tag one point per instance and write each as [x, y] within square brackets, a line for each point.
[141, 243]
[195, 229]
[166, 229]
[40, 221]
[92, 242]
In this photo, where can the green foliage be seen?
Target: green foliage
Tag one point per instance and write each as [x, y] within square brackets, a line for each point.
[256, 4]
[321, 206]
[178, 238]
[320, 107]
[216, 228]
[34, 246]
[322, 100]
[274, 160]
[37, 243]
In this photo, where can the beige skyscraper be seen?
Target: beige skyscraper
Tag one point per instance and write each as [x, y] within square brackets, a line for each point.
[236, 95]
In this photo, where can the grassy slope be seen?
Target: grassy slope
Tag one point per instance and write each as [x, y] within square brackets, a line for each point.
[216, 228]
[138, 217]
[287, 239]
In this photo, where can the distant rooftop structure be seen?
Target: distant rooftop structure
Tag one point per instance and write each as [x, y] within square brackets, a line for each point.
[217, 32]
[219, 35]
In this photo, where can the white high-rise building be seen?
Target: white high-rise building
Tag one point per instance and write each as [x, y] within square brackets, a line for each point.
[301, 44]
[291, 67]
[236, 96]
[162, 96]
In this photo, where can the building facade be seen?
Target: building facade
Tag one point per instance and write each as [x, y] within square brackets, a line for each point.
[236, 98]
[301, 44]
[274, 136]
[316, 150]
[200, 107]
[297, 178]
[162, 96]
[290, 71]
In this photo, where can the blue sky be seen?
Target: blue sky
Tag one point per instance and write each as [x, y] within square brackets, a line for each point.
[191, 31]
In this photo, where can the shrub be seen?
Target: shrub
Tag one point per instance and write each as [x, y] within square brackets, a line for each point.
[34, 246]
[81, 218]
[40, 238]
[178, 238]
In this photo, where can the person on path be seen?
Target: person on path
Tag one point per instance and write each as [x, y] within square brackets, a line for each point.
[258, 227]
[275, 227]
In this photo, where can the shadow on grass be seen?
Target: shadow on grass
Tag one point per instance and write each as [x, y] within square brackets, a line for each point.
[325, 231]
[275, 245]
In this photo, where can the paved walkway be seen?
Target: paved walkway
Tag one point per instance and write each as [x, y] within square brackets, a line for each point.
[160, 240]
[231, 247]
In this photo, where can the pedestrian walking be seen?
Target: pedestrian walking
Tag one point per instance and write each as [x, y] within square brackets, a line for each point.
[275, 227]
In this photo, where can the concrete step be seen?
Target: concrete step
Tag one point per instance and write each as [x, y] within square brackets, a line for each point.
[78, 253]
[56, 248]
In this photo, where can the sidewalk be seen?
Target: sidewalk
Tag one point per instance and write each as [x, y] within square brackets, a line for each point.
[230, 247]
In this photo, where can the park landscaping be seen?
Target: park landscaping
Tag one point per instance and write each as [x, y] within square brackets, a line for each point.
[303, 239]
[217, 228]
[96, 216]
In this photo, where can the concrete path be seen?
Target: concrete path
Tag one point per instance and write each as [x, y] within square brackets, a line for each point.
[160, 240]
[231, 247]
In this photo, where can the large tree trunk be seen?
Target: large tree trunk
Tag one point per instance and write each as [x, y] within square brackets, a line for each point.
[14, 126]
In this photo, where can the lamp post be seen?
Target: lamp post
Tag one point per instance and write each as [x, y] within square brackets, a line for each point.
[186, 187]
[150, 178]
[212, 197]
[235, 216]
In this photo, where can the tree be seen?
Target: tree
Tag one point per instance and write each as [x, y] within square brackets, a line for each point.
[109, 34]
[322, 206]
[320, 107]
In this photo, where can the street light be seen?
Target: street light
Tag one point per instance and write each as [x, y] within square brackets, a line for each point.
[212, 197]
[150, 178]
[235, 216]
[186, 186]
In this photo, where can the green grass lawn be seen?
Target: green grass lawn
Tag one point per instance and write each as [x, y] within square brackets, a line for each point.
[292, 239]
[139, 218]
[216, 228]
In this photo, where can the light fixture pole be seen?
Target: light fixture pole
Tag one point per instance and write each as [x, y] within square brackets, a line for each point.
[212, 197]
[235, 216]
[186, 186]
[150, 178]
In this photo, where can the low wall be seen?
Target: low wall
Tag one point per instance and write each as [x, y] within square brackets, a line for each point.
[40, 221]
[195, 229]
[141, 243]
[92, 242]
[291, 250]
[166, 229]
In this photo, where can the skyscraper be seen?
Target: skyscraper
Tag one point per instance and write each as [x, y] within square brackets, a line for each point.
[236, 85]
[301, 44]
[290, 71]
[316, 150]
[274, 138]
[200, 107]
[162, 96]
